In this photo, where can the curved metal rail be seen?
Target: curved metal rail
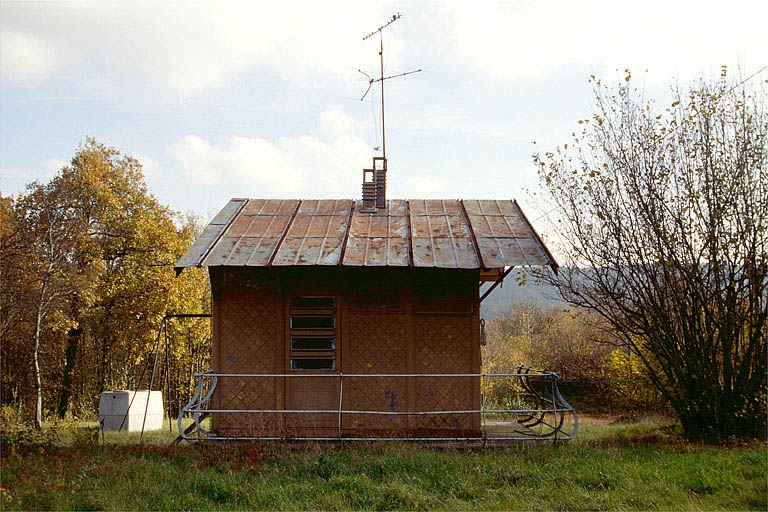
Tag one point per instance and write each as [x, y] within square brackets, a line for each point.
[538, 411]
[542, 388]
[196, 407]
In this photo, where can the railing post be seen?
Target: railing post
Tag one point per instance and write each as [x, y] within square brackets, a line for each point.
[482, 403]
[341, 399]
[554, 405]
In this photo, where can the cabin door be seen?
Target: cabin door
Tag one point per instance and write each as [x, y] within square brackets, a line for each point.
[313, 366]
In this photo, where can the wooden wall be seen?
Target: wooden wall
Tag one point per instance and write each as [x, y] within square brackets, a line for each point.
[388, 321]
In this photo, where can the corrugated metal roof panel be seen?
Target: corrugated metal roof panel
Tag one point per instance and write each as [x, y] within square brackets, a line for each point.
[491, 207]
[376, 252]
[228, 212]
[252, 236]
[420, 233]
[379, 239]
[379, 226]
[510, 252]
[440, 226]
[444, 253]
[504, 237]
[308, 251]
[269, 207]
[213, 231]
[441, 236]
[314, 207]
[435, 207]
[316, 235]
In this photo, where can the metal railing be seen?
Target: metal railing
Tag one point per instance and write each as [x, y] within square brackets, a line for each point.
[522, 406]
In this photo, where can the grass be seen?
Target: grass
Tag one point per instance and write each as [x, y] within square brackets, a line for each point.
[634, 466]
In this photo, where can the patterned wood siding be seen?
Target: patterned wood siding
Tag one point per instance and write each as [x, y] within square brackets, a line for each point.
[250, 341]
[443, 344]
[378, 344]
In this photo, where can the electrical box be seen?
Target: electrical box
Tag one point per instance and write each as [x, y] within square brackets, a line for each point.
[131, 410]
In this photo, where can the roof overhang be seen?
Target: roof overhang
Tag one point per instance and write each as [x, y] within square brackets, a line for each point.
[489, 235]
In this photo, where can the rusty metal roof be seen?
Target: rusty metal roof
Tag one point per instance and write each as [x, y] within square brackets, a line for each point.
[465, 234]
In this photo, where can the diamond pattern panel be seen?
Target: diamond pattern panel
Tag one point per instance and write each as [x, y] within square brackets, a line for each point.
[377, 344]
[250, 339]
[443, 345]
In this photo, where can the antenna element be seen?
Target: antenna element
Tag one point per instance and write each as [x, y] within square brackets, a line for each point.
[382, 78]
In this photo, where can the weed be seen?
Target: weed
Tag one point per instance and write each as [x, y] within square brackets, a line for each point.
[23, 439]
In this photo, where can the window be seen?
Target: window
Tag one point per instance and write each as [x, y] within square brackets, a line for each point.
[299, 303]
[313, 333]
[313, 363]
[310, 322]
[299, 343]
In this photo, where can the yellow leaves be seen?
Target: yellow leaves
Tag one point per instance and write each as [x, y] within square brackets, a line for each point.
[102, 251]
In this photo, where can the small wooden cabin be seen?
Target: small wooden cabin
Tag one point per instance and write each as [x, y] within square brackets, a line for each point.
[336, 318]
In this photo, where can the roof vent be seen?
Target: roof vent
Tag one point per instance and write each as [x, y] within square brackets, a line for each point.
[375, 185]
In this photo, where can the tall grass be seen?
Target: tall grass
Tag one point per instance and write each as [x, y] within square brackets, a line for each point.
[637, 466]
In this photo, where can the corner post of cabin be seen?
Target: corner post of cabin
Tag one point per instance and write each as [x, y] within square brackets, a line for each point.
[215, 274]
[477, 398]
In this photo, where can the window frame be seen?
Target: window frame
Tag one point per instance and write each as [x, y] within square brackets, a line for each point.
[304, 310]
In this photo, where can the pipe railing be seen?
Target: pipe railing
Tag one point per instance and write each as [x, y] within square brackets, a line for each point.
[522, 406]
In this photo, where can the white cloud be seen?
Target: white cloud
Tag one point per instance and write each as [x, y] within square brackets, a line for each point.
[425, 187]
[525, 39]
[334, 121]
[14, 180]
[54, 165]
[240, 160]
[151, 168]
[302, 167]
[185, 49]
[26, 59]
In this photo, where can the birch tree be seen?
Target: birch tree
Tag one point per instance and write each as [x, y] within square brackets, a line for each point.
[662, 213]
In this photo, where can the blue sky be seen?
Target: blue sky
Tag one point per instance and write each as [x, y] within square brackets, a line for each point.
[262, 99]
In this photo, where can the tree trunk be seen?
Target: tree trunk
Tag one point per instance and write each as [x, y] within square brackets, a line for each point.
[38, 381]
[73, 337]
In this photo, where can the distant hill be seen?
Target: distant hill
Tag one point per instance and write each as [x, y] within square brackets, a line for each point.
[511, 291]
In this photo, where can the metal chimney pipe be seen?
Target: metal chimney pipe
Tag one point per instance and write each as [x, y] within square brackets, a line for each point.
[380, 178]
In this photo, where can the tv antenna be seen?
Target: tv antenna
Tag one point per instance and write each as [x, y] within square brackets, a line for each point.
[382, 78]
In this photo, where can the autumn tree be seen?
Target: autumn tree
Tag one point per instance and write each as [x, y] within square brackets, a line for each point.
[663, 216]
[594, 372]
[42, 276]
[13, 310]
[93, 272]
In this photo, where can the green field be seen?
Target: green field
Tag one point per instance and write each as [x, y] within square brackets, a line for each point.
[609, 466]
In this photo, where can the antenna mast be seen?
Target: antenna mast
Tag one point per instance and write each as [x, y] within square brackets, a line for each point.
[382, 78]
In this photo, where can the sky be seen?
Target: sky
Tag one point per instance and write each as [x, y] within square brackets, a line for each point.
[263, 99]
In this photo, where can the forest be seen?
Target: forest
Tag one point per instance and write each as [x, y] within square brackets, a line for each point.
[86, 273]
